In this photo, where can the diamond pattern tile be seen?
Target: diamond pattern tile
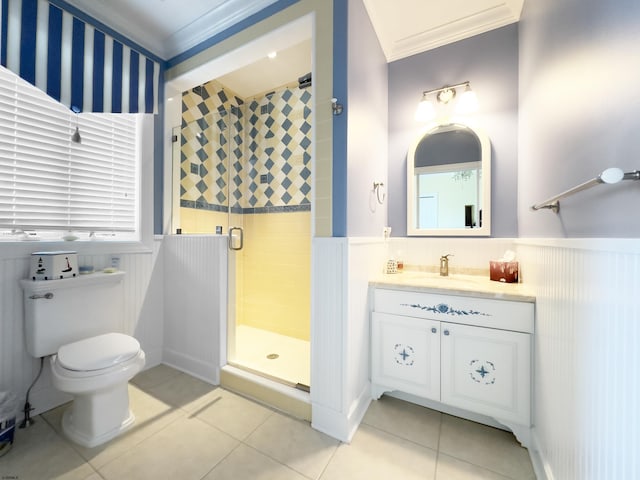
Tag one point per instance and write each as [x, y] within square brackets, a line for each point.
[268, 136]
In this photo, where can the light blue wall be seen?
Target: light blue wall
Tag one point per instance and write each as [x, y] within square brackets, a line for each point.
[367, 85]
[490, 62]
[579, 114]
[339, 141]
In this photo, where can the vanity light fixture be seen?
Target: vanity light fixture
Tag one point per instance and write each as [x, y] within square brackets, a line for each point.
[426, 111]
[467, 103]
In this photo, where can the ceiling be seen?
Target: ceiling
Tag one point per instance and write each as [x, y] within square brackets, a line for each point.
[407, 27]
[289, 65]
[167, 28]
[404, 27]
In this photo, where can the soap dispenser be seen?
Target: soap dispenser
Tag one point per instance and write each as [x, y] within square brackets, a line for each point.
[444, 265]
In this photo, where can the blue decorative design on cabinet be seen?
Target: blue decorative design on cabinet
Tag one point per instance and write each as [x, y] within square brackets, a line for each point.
[482, 371]
[445, 309]
[404, 354]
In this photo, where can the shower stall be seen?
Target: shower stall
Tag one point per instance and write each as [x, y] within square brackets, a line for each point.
[245, 171]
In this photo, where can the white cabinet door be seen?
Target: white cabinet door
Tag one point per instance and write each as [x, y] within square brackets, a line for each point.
[487, 371]
[405, 355]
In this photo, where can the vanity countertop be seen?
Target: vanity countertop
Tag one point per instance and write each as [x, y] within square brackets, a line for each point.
[456, 284]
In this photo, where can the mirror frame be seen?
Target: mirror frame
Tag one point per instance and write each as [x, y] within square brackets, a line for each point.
[485, 151]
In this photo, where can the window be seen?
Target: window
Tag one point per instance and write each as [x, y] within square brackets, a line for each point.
[50, 186]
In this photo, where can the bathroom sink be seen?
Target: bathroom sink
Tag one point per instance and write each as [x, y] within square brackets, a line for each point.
[433, 279]
[451, 278]
[462, 283]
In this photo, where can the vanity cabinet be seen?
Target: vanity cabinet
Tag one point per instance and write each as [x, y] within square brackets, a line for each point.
[466, 352]
[406, 355]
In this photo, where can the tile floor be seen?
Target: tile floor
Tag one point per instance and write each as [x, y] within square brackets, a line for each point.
[187, 429]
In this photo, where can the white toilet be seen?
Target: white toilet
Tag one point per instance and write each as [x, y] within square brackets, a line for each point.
[76, 320]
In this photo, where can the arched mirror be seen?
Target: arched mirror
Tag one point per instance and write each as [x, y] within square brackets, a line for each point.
[449, 182]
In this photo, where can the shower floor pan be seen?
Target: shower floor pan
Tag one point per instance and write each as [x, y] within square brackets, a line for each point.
[275, 356]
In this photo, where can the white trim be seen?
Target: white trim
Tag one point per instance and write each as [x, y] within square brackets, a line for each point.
[24, 249]
[208, 372]
[540, 466]
[338, 425]
[614, 245]
[365, 240]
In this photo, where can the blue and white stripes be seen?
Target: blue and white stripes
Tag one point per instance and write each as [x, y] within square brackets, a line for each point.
[73, 62]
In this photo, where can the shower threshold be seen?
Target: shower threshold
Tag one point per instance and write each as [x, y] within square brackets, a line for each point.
[274, 392]
[273, 378]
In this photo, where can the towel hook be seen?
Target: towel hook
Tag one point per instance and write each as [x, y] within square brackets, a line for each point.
[377, 186]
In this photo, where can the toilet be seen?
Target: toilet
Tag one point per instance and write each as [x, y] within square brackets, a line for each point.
[78, 322]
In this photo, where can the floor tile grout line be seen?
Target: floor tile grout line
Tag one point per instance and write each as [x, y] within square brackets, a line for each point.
[435, 471]
[451, 455]
[481, 467]
[255, 449]
[142, 440]
[400, 437]
[221, 460]
[335, 451]
[71, 444]
[285, 414]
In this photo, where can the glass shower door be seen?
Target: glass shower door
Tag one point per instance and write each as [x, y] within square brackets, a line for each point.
[270, 217]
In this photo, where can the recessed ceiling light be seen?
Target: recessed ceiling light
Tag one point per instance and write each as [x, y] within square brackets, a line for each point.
[272, 55]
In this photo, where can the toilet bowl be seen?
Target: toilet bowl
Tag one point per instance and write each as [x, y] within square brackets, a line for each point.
[75, 320]
[96, 371]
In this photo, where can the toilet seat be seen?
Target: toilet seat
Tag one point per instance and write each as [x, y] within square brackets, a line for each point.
[98, 353]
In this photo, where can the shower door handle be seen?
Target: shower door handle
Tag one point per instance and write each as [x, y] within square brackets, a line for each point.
[236, 242]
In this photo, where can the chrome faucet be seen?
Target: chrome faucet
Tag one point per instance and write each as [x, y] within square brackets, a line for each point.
[444, 265]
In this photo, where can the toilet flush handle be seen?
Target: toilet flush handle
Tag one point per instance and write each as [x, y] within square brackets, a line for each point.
[47, 295]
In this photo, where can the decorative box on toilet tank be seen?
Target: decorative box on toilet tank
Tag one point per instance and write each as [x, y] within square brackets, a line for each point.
[53, 265]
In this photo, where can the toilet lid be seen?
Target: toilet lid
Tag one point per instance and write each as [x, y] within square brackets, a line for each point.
[99, 352]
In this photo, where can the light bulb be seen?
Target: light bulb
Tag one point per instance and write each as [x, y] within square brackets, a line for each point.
[425, 111]
[468, 102]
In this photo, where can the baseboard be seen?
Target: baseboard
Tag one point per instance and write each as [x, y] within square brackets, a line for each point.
[336, 424]
[331, 422]
[207, 372]
[153, 358]
[540, 466]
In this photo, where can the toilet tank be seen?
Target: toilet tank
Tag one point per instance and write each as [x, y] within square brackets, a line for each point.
[57, 312]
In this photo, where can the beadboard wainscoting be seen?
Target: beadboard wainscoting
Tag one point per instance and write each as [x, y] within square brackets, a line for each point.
[143, 317]
[587, 389]
[195, 296]
[340, 387]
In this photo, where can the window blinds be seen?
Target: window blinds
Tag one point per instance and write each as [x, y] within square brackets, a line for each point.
[49, 183]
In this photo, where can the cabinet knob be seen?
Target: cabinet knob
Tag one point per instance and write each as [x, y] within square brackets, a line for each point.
[446, 332]
[434, 330]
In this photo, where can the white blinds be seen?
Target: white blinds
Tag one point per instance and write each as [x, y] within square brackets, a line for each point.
[49, 183]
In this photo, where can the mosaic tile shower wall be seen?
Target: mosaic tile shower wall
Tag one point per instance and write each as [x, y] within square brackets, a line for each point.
[271, 172]
[279, 152]
[211, 120]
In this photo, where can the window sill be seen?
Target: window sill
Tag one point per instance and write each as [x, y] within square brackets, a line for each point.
[9, 249]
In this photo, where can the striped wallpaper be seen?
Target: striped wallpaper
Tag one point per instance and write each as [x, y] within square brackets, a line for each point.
[73, 62]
